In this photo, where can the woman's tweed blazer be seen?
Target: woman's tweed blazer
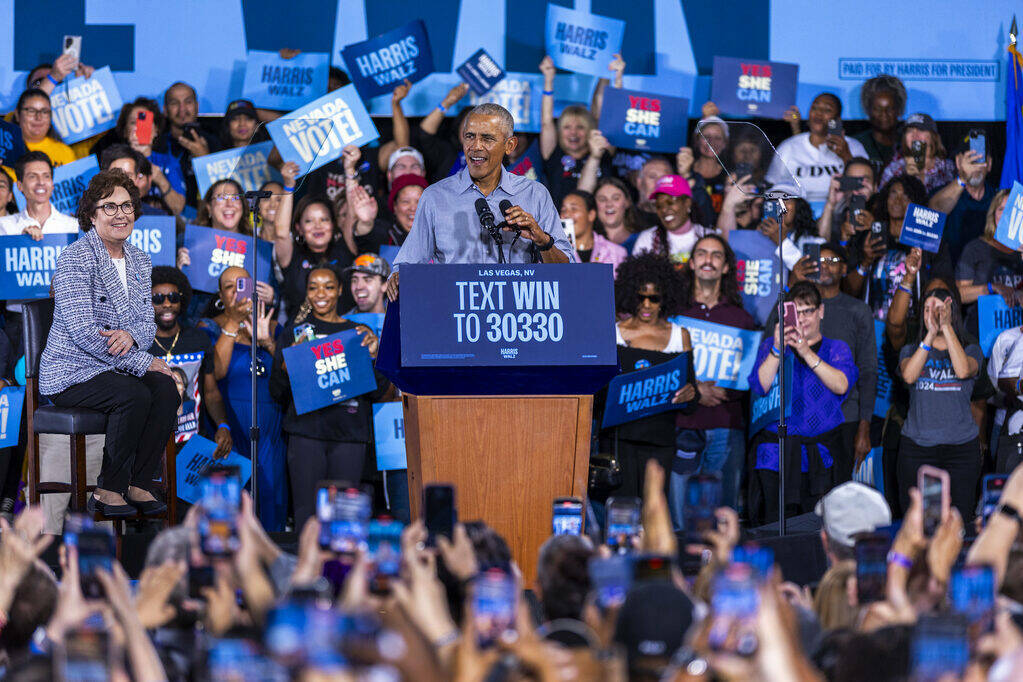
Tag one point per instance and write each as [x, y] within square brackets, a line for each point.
[88, 297]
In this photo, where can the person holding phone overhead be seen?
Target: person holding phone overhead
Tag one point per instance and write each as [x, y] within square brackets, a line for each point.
[822, 373]
[939, 428]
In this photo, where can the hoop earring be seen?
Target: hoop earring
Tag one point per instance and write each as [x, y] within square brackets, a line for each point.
[218, 304]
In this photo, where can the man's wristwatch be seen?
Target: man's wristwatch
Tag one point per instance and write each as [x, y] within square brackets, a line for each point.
[549, 245]
[1006, 509]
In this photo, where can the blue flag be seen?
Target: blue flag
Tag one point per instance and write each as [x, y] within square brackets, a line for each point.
[722, 354]
[481, 72]
[757, 272]
[12, 146]
[246, 165]
[317, 133]
[379, 64]
[389, 434]
[213, 251]
[883, 398]
[273, 82]
[635, 395]
[12, 398]
[155, 234]
[195, 458]
[29, 265]
[1012, 168]
[639, 120]
[582, 42]
[994, 316]
[69, 182]
[374, 321]
[329, 371]
[922, 227]
[753, 87]
[763, 409]
[83, 107]
[1010, 228]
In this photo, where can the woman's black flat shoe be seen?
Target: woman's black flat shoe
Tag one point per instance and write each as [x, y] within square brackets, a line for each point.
[114, 511]
[148, 508]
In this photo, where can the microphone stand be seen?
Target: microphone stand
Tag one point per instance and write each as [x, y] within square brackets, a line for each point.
[780, 197]
[495, 234]
[254, 220]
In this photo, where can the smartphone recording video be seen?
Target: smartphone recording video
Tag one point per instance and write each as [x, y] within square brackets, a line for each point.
[220, 492]
[623, 524]
[567, 516]
[439, 512]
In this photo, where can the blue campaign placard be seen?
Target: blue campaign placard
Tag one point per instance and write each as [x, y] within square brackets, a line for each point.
[374, 321]
[316, 134]
[1010, 228]
[753, 87]
[273, 82]
[481, 72]
[213, 251]
[883, 398]
[379, 64]
[763, 409]
[507, 315]
[12, 398]
[195, 458]
[246, 165]
[69, 182]
[582, 42]
[12, 145]
[722, 354]
[642, 393]
[389, 435]
[28, 265]
[155, 234]
[994, 316]
[922, 228]
[83, 107]
[644, 121]
[757, 272]
[328, 371]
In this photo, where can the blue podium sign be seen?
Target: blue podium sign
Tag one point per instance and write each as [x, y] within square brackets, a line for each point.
[507, 315]
[29, 265]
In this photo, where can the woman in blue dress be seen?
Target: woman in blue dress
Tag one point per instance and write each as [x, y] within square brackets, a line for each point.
[231, 333]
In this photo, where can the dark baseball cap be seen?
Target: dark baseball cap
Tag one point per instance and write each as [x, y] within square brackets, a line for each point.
[653, 621]
[240, 107]
[921, 121]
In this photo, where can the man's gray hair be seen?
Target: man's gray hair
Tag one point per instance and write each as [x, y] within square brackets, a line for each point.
[493, 109]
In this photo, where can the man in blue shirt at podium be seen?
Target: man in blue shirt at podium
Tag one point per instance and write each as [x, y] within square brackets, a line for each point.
[484, 213]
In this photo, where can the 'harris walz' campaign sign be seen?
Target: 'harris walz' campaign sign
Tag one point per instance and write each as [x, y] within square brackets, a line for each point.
[922, 227]
[507, 315]
[379, 64]
[328, 371]
[637, 394]
[639, 120]
[12, 146]
[582, 42]
[317, 133]
[389, 435]
[763, 409]
[246, 165]
[193, 461]
[155, 234]
[29, 265]
[213, 251]
[750, 87]
[69, 183]
[273, 82]
[994, 317]
[1010, 227]
[12, 398]
[757, 271]
[722, 354]
[84, 107]
[481, 72]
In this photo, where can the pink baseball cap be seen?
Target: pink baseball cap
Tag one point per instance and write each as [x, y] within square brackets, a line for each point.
[672, 185]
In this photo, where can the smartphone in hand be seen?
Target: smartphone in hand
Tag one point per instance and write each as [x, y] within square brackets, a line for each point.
[72, 45]
[567, 516]
[439, 512]
[978, 144]
[702, 499]
[623, 524]
[933, 484]
[244, 289]
[871, 552]
[144, 127]
[813, 252]
[789, 318]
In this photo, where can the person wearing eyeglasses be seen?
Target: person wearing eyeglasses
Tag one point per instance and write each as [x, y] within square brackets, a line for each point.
[178, 342]
[823, 371]
[96, 355]
[34, 116]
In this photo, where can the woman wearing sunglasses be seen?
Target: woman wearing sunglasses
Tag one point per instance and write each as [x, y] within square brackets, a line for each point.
[96, 355]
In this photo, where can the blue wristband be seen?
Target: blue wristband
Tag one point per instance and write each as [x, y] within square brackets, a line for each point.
[442, 108]
[548, 92]
[289, 189]
[775, 352]
[990, 289]
[924, 346]
[906, 289]
[53, 80]
[223, 425]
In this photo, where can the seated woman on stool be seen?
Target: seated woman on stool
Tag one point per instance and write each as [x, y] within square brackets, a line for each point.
[95, 357]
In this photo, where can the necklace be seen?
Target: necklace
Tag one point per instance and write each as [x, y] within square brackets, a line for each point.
[170, 350]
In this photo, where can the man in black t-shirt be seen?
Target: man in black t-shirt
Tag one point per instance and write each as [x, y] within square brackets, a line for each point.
[181, 345]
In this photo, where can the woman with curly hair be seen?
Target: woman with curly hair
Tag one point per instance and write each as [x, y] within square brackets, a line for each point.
[798, 228]
[649, 290]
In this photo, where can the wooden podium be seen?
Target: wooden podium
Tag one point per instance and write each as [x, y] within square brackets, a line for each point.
[505, 420]
[507, 456]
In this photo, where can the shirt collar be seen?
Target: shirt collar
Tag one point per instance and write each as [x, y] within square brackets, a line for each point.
[508, 182]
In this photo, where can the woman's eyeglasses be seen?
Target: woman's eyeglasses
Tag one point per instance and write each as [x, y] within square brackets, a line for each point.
[127, 208]
[653, 298]
[224, 198]
[173, 297]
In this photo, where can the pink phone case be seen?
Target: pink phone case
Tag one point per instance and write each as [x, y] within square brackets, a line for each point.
[934, 472]
[789, 313]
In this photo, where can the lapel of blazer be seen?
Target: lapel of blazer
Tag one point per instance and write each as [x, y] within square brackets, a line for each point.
[111, 280]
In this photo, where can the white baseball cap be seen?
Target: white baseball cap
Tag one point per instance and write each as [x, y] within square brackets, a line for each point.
[404, 151]
[852, 508]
